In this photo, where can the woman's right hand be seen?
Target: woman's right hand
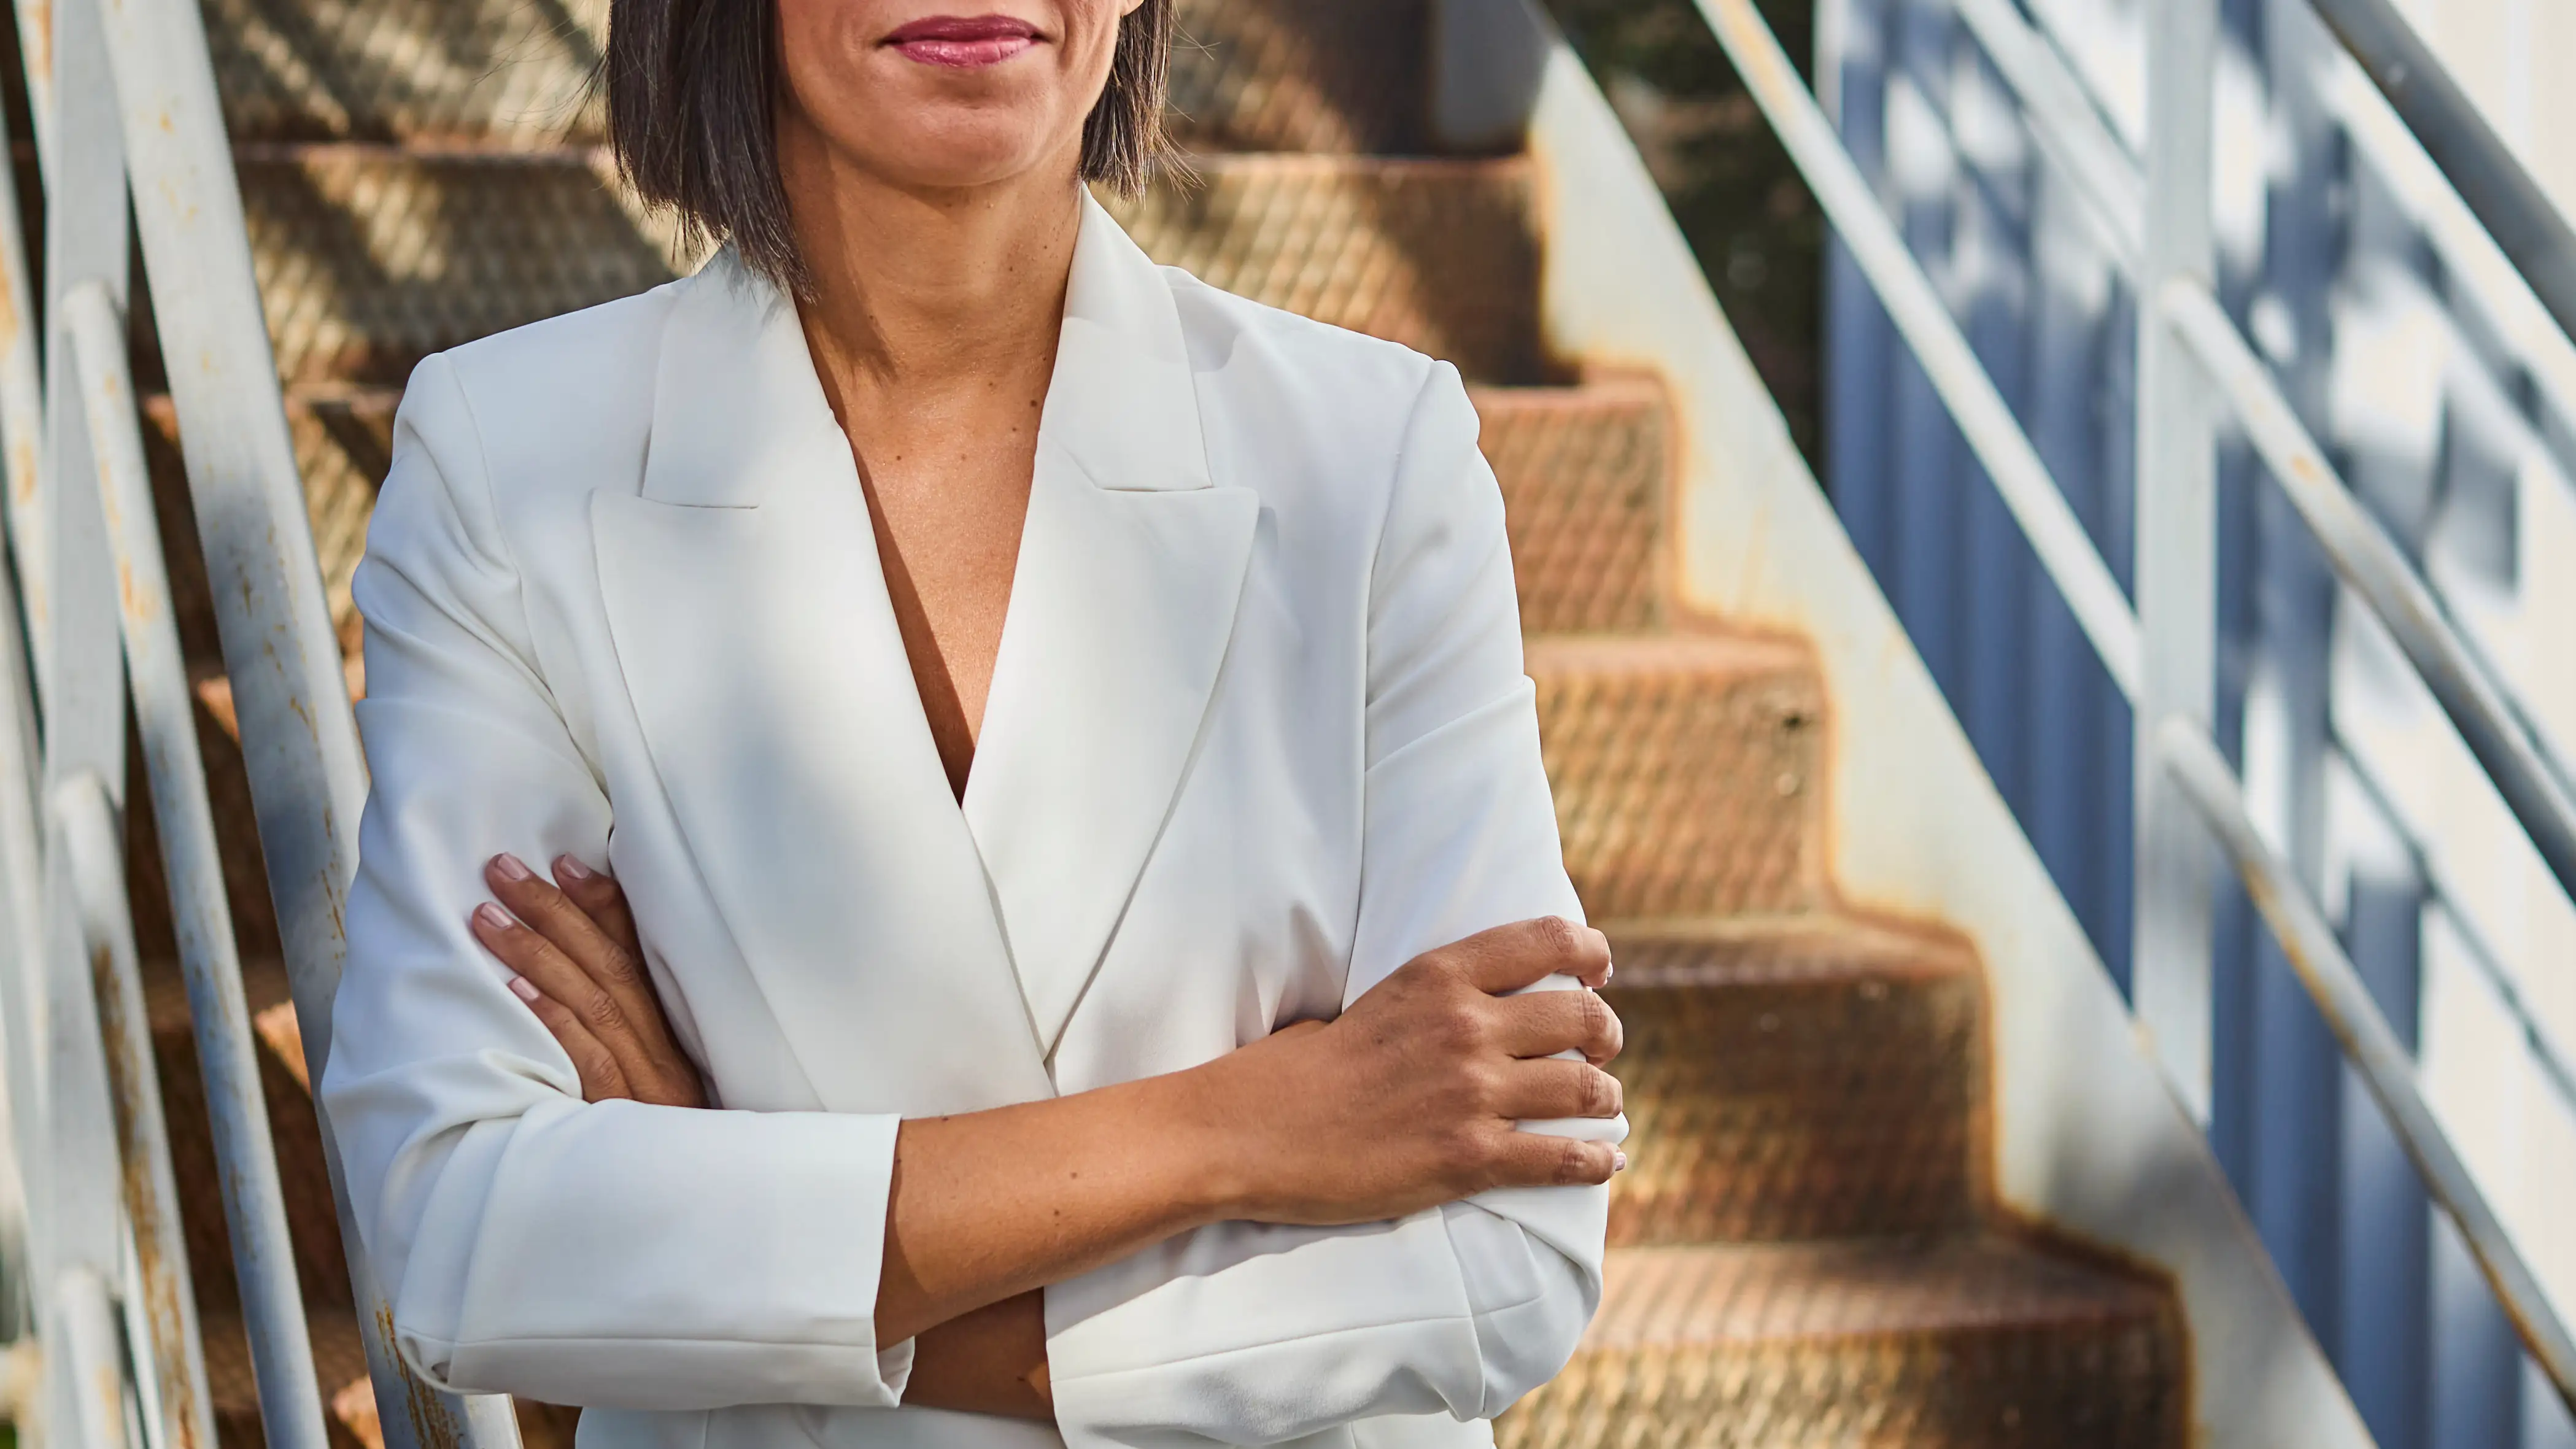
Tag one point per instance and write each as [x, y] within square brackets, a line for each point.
[1412, 1097]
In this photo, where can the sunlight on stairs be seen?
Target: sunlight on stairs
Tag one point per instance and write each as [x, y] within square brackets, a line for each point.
[1805, 1251]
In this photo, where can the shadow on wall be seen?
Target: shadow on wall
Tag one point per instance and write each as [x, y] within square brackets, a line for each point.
[1732, 188]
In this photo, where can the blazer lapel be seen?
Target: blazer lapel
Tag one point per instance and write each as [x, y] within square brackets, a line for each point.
[762, 657]
[1131, 569]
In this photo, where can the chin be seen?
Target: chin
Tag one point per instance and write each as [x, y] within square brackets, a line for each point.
[976, 148]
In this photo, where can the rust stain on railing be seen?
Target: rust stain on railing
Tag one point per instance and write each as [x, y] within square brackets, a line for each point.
[164, 1282]
[431, 1428]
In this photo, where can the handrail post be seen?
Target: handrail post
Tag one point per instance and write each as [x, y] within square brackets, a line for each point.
[2177, 558]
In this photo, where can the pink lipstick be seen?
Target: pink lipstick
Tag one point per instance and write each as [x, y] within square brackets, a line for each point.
[963, 43]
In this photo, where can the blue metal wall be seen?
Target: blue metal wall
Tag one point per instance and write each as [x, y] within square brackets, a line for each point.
[2387, 1288]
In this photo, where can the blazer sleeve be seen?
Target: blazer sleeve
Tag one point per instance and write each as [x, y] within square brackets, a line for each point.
[1247, 1333]
[505, 1217]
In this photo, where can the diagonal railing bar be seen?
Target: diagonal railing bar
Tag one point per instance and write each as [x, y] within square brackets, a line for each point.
[2369, 1044]
[2065, 550]
[2502, 193]
[164, 1299]
[2470, 258]
[245, 1157]
[2363, 555]
[2066, 124]
[2556, 1064]
[2178, 760]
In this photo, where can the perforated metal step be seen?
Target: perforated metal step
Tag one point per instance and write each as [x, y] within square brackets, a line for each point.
[1688, 772]
[1247, 75]
[369, 258]
[1796, 1078]
[1951, 1343]
[1586, 474]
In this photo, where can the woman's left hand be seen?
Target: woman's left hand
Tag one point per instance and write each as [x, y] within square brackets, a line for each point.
[580, 968]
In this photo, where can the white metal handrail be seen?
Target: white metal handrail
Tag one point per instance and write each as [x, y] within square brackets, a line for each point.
[2159, 653]
[219, 1014]
[2507, 199]
[2368, 1041]
[144, 109]
[2533, 787]
[85, 838]
[1993, 433]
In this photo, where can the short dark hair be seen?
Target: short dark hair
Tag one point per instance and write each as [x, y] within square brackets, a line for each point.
[692, 87]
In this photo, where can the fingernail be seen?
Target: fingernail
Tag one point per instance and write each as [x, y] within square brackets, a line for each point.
[526, 991]
[511, 867]
[572, 868]
[492, 916]
[1618, 1162]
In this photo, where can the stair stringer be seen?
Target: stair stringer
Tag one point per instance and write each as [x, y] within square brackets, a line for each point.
[2088, 1140]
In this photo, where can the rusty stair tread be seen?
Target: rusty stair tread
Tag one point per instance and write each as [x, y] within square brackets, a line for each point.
[1433, 252]
[1714, 655]
[371, 257]
[1796, 1078]
[1685, 768]
[1965, 1342]
[507, 73]
[1769, 1293]
[1801, 946]
[1587, 481]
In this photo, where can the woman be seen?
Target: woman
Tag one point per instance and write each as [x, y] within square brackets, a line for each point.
[1061, 730]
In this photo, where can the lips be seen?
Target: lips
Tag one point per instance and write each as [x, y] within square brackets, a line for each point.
[964, 43]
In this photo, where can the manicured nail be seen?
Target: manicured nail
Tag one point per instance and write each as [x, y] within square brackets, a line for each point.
[1618, 1161]
[572, 869]
[492, 917]
[523, 989]
[511, 867]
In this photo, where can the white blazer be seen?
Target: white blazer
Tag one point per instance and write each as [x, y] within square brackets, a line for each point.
[1258, 734]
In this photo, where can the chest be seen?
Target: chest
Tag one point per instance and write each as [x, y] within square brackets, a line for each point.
[1158, 858]
[947, 494]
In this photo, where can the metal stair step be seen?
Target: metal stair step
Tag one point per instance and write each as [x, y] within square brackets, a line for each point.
[1302, 75]
[1796, 1078]
[1278, 75]
[1435, 253]
[1688, 771]
[1586, 474]
[370, 257]
[1945, 1343]
[497, 72]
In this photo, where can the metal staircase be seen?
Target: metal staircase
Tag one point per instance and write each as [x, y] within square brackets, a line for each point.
[1916, 1179]
[1808, 1249]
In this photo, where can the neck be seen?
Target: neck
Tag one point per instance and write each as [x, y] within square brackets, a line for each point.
[914, 287]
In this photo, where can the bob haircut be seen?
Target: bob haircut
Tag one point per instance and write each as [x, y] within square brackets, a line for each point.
[692, 87]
